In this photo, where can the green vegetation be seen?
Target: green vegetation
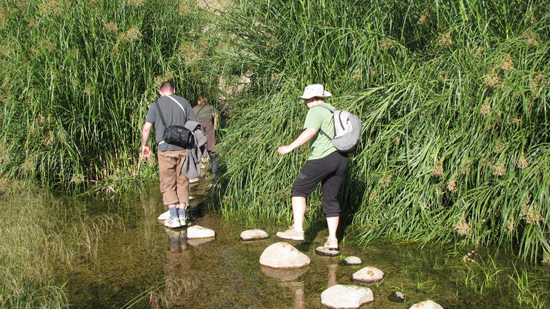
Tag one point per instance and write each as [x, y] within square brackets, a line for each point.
[454, 98]
[78, 76]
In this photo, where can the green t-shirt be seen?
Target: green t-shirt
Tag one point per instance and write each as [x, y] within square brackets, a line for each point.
[320, 118]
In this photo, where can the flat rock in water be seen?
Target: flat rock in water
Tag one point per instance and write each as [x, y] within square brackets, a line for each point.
[197, 231]
[368, 274]
[346, 296]
[254, 235]
[322, 250]
[428, 304]
[352, 260]
[283, 255]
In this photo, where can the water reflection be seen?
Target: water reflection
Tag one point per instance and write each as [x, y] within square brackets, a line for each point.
[289, 279]
[176, 271]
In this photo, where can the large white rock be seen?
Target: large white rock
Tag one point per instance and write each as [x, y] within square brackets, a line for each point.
[428, 304]
[197, 231]
[254, 234]
[368, 274]
[283, 255]
[346, 296]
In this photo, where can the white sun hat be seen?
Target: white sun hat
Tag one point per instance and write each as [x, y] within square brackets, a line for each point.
[315, 91]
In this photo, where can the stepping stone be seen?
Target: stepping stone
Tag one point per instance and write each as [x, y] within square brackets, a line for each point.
[253, 235]
[352, 260]
[283, 255]
[197, 231]
[346, 296]
[428, 304]
[368, 274]
[322, 250]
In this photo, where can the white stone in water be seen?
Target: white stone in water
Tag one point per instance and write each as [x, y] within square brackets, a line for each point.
[254, 234]
[322, 250]
[368, 274]
[346, 296]
[197, 231]
[283, 255]
[428, 304]
[352, 260]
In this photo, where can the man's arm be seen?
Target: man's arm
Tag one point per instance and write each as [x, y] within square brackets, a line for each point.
[303, 138]
[145, 151]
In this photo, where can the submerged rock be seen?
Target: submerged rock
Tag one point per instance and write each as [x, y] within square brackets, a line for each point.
[346, 296]
[197, 231]
[428, 304]
[283, 255]
[368, 274]
[322, 250]
[352, 260]
[253, 235]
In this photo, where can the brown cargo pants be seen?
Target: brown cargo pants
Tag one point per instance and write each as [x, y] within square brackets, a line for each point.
[174, 186]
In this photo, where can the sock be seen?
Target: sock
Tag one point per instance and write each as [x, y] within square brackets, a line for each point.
[173, 212]
[182, 213]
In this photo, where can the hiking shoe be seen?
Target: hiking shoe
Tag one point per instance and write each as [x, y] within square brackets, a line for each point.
[172, 223]
[332, 244]
[291, 234]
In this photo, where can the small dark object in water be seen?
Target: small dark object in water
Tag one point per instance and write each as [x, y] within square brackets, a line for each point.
[397, 297]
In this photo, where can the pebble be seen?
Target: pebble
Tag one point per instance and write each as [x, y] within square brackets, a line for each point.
[352, 260]
[253, 235]
[397, 297]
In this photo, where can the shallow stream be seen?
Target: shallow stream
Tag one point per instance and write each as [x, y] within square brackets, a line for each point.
[146, 265]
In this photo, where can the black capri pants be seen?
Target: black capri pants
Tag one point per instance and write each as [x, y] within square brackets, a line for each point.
[330, 171]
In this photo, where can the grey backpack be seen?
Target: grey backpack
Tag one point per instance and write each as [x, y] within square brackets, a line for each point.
[347, 130]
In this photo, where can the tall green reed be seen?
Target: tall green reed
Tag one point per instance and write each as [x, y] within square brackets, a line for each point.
[454, 100]
[78, 77]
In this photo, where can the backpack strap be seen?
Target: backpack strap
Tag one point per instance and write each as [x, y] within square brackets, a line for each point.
[200, 110]
[179, 106]
[332, 110]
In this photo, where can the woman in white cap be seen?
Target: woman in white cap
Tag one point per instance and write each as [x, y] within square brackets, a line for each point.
[325, 164]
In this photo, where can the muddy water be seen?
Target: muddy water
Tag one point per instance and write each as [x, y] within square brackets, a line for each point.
[148, 266]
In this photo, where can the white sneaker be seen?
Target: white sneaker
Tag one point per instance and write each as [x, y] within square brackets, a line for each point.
[172, 223]
[193, 180]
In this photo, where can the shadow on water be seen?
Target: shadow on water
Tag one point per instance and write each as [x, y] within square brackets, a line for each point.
[147, 265]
